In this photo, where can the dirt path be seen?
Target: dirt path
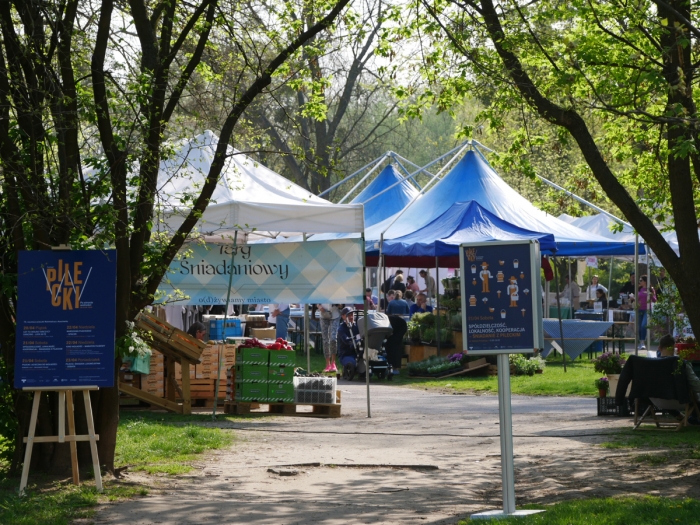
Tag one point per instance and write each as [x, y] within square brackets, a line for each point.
[369, 473]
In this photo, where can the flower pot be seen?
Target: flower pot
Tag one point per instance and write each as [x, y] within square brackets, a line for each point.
[686, 346]
[612, 381]
[602, 392]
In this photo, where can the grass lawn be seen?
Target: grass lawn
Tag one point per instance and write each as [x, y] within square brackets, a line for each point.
[152, 442]
[164, 442]
[610, 511]
[656, 446]
[576, 381]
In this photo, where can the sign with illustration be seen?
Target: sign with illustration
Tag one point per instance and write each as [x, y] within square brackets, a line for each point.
[66, 308]
[501, 297]
[292, 272]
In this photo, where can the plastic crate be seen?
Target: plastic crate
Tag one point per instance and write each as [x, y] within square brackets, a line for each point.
[607, 407]
[219, 332]
[323, 384]
[314, 397]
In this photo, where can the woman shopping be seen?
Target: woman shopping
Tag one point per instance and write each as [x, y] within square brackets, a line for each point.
[330, 320]
[642, 305]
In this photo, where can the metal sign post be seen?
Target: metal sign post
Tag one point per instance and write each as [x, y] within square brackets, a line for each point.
[502, 315]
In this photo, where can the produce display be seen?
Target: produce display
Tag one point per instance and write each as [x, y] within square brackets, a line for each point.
[279, 344]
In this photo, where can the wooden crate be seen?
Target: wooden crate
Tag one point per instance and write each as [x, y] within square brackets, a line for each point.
[166, 334]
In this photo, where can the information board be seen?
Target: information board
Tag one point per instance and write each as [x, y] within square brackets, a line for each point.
[66, 306]
[501, 297]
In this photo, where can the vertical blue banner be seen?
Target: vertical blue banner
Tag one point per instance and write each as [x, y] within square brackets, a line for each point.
[501, 297]
[66, 308]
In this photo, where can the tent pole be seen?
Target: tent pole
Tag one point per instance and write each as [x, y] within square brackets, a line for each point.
[561, 323]
[610, 270]
[365, 335]
[228, 297]
[437, 301]
[382, 263]
[378, 159]
[634, 292]
[307, 320]
[571, 295]
[364, 178]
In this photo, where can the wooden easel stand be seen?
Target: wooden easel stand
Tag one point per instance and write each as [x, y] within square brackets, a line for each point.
[65, 398]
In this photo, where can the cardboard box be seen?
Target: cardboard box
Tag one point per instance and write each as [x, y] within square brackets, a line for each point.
[263, 333]
[280, 374]
[251, 392]
[283, 358]
[280, 393]
[252, 356]
[251, 373]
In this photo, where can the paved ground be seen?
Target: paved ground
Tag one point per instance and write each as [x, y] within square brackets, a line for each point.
[368, 470]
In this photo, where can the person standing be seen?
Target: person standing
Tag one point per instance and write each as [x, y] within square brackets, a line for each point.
[643, 298]
[371, 300]
[280, 314]
[429, 289]
[628, 287]
[348, 336]
[571, 291]
[399, 286]
[412, 285]
[591, 295]
[330, 321]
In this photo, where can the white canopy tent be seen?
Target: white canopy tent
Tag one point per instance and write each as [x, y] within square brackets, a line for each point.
[249, 197]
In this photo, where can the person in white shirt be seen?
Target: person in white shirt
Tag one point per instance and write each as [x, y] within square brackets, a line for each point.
[279, 316]
[575, 292]
[591, 296]
[429, 289]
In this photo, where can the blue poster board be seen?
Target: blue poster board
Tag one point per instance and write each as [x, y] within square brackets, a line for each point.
[66, 307]
[501, 297]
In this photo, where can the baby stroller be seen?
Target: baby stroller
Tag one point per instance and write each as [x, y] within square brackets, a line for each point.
[378, 329]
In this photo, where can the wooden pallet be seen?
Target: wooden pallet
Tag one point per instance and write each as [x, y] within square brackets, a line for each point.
[280, 409]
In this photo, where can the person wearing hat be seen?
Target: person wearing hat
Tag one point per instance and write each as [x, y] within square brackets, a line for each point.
[348, 337]
[484, 275]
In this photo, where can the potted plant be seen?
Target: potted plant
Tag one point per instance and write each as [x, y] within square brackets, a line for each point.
[603, 385]
[611, 365]
[687, 347]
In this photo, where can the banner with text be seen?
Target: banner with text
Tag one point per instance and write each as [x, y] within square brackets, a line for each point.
[295, 272]
[501, 297]
[66, 306]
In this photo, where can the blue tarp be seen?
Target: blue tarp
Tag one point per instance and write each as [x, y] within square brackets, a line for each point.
[473, 179]
[388, 203]
[462, 222]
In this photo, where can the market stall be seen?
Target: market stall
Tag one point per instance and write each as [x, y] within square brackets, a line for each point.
[251, 202]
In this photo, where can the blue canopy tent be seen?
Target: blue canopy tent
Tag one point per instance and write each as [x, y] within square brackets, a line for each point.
[389, 202]
[462, 222]
[473, 179]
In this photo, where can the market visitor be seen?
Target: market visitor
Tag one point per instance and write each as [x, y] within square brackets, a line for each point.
[666, 349]
[412, 285]
[593, 289]
[642, 301]
[421, 305]
[370, 299]
[197, 330]
[398, 306]
[390, 296]
[409, 298]
[348, 336]
[330, 321]
[399, 286]
[429, 289]
[389, 283]
[279, 316]
[628, 287]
